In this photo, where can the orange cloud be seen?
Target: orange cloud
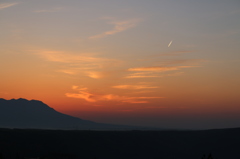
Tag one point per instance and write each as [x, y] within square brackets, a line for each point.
[153, 76]
[142, 75]
[150, 72]
[79, 89]
[63, 57]
[95, 75]
[138, 99]
[83, 93]
[119, 26]
[86, 64]
[69, 71]
[133, 87]
[139, 76]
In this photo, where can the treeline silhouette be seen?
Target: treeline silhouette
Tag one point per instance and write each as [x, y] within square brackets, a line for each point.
[209, 156]
[63, 144]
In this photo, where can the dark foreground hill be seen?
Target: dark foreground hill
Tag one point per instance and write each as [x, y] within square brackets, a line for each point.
[60, 144]
[22, 113]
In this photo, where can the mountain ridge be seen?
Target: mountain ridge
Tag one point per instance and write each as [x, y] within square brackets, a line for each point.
[23, 113]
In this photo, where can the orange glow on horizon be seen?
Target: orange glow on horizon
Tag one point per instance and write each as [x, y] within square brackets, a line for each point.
[114, 59]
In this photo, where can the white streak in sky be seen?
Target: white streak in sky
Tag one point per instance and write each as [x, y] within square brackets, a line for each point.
[170, 44]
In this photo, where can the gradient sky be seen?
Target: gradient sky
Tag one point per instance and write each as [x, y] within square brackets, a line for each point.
[163, 63]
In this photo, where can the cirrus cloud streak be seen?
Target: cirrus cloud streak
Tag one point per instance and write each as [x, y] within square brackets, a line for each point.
[158, 69]
[6, 5]
[83, 93]
[87, 64]
[133, 87]
[119, 26]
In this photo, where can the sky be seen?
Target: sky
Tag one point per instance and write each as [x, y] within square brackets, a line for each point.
[158, 63]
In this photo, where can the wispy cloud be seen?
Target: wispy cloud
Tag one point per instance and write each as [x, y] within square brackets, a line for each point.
[119, 26]
[49, 10]
[153, 72]
[152, 75]
[174, 66]
[133, 87]
[95, 75]
[87, 64]
[142, 76]
[68, 71]
[158, 69]
[6, 5]
[66, 57]
[83, 93]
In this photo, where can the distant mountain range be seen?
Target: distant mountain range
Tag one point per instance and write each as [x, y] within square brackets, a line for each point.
[22, 113]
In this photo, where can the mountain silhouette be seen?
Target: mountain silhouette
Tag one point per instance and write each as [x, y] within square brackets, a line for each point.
[22, 113]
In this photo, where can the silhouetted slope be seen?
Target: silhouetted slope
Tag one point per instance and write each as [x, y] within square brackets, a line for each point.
[22, 113]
